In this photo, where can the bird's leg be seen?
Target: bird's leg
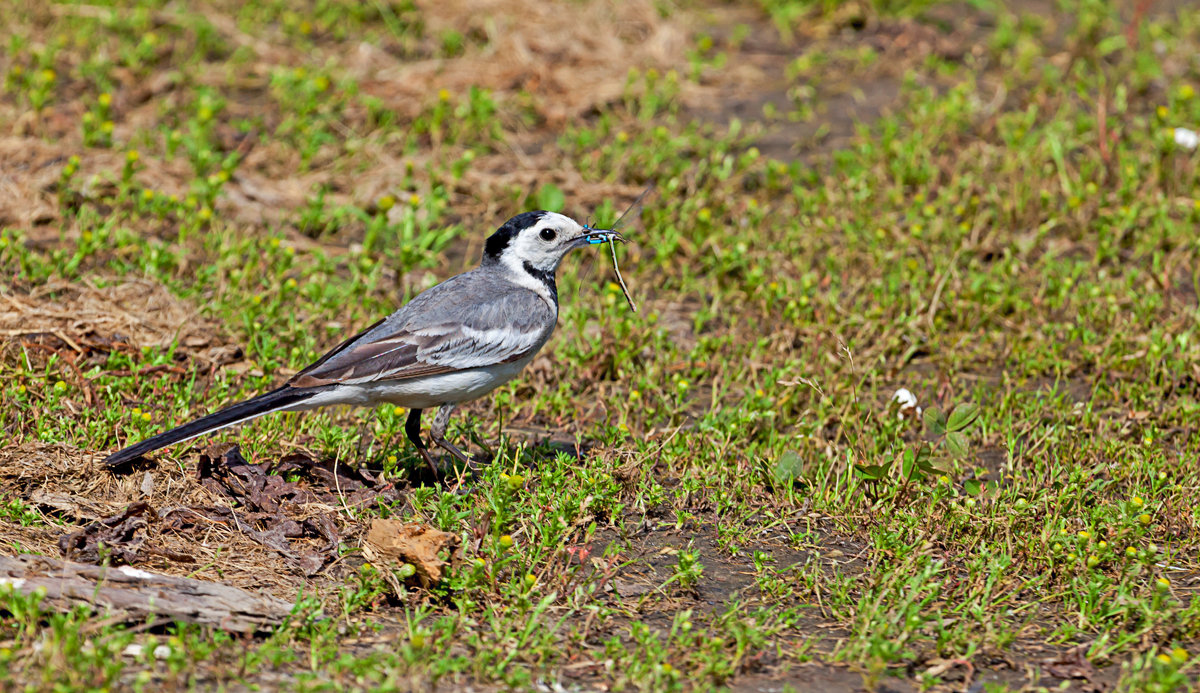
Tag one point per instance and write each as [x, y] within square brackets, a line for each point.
[412, 429]
[438, 432]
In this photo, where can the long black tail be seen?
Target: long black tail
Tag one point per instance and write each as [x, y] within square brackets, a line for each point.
[275, 400]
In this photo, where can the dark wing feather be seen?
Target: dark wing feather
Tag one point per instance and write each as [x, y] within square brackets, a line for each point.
[466, 322]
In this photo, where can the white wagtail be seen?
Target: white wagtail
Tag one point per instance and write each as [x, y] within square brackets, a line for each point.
[452, 343]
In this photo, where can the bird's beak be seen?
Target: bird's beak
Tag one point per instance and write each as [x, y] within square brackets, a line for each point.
[597, 237]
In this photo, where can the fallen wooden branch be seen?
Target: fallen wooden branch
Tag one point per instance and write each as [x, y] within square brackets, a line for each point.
[137, 594]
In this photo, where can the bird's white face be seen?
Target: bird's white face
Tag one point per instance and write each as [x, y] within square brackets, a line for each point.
[544, 243]
[534, 242]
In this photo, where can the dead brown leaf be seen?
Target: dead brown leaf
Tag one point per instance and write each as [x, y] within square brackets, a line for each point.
[1072, 664]
[410, 542]
[118, 537]
[263, 498]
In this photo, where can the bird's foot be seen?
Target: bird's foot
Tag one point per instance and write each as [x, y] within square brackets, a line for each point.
[457, 473]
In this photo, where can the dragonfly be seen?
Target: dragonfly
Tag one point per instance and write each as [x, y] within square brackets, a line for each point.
[637, 205]
[611, 236]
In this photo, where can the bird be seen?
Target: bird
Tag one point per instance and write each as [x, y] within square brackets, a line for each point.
[452, 343]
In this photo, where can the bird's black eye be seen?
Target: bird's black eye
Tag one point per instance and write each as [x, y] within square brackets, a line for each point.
[548, 234]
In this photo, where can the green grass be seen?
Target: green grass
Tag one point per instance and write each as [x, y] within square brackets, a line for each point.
[980, 243]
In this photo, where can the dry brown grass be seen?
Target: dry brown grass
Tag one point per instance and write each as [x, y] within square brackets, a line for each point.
[71, 488]
[131, 313]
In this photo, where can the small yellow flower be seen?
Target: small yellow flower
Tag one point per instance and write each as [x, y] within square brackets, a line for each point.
[443, 95]
[530, 580]
[1186, 92]
[205, 213]
[506, 541]
[1131, 552]
[147, 194]
[1083, 534]
[398, 411]
[391, 459]
[60, 386]
[1162, 111]
[1164, 659]
[1102, 544]
[132, 156]
[1137, 501]
[105, 99]
[1144, 519]
[1163, 583]
[107, 127]
[306, 27]
[417, 641]
[49, 75]
[137, 411]
[1093, 561]
[1180, 655]
[386, 202]
[145, 416]
[414, 200]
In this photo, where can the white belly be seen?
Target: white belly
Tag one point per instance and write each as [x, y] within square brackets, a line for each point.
[424, 392]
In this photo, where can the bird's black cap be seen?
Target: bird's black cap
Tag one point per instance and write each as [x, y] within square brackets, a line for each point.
[497, 242]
